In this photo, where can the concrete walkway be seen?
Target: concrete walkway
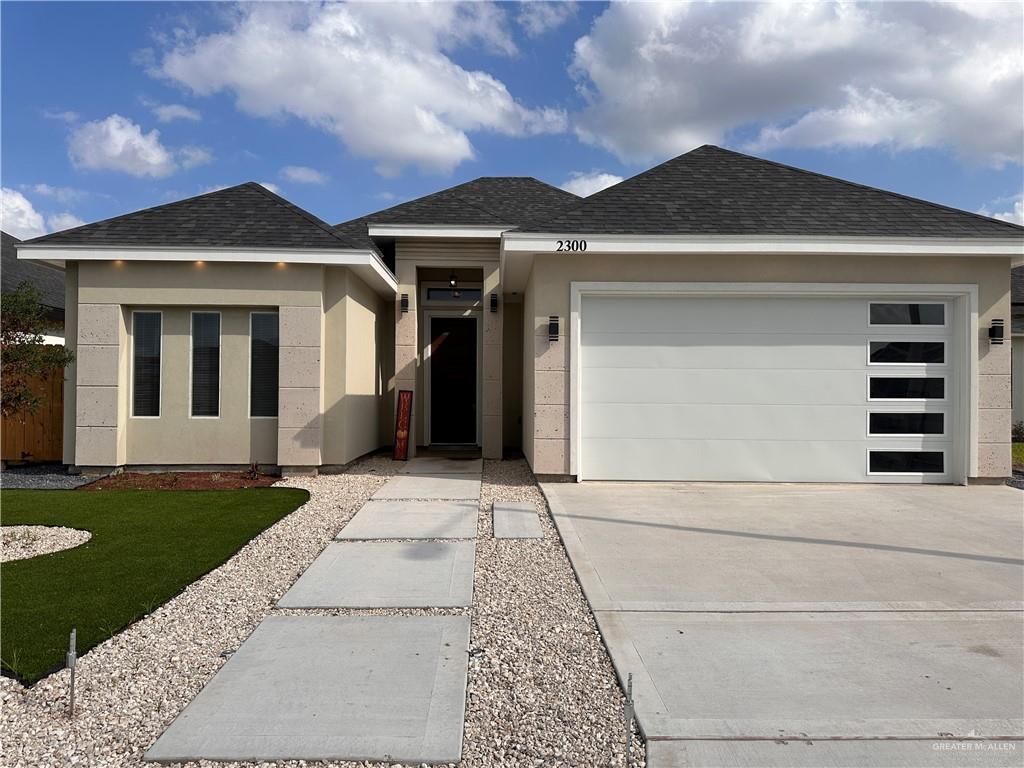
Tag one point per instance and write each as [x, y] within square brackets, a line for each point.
[809, 625]
[359, 688]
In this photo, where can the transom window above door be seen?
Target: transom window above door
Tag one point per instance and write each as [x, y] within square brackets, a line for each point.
[451, 293]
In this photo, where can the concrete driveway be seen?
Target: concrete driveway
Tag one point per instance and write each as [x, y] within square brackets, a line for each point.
[809, 625]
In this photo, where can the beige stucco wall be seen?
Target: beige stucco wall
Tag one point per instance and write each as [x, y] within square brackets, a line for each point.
[1017, 350]
[413, 255]
[512, 375]
[354, 320]
[313, 350]
[546, 365]
[177, 438]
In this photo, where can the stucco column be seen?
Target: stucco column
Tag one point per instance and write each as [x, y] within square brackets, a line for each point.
[492, 352]
[405, 346]
[300, 407]
[99, 403]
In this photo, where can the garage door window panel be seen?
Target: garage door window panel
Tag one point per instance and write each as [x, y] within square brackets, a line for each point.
[907, 352]
[904, 424]
[907, 388]
[906, 462]
[907, 314]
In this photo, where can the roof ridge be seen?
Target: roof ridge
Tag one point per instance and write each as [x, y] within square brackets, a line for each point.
[858, 185]
[136, 212]
[301, 212]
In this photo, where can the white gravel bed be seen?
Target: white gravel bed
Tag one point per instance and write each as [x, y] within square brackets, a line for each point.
[20, 542]
[541, 690]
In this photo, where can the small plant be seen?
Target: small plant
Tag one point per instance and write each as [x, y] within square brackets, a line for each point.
[1017, 433]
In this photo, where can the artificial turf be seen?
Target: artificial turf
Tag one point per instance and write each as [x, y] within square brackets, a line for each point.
[146, 547]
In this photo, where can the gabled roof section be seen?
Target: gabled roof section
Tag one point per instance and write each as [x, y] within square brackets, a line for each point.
[48, 280]
[715, 191]
[244, 216]
[495, 201]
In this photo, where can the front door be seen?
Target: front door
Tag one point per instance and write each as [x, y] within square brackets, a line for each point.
[453, 385]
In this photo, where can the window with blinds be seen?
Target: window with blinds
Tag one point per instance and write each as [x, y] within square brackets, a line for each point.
[263, 362]
[146, 328]
[206, 364]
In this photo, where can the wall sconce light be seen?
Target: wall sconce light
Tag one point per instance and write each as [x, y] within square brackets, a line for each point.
[453, 281]
[494, 302]
[553, 328]
[404, 301]
[997, 332]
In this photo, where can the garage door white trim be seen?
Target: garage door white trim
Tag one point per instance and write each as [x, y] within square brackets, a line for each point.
[964, 321]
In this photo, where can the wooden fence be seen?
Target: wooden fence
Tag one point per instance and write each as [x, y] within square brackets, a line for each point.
[39, 437]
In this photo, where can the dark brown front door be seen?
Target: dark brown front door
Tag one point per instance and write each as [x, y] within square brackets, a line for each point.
[453, 380]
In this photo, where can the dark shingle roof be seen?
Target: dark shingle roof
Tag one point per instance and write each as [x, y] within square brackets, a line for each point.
[245, 216]
[714, 191]
[497, 201]
[1017, 285]
[47, 279]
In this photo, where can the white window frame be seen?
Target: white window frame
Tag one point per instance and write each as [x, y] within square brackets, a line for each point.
[918, 374]
[248, 383]
[962, 314]
[131, 366]
[944, 412]
[220, 360]
[945, 473]
[917, 339]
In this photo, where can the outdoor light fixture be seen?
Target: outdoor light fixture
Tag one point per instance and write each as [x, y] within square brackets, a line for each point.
[494, 302]
[553, 328]
[404, 302]
[453, 281]
[997, 332]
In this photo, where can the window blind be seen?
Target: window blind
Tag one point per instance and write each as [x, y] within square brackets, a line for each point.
[264, 364]
[146, 363]
[205, 364]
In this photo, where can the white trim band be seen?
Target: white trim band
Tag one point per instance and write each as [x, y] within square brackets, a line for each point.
[432, 230]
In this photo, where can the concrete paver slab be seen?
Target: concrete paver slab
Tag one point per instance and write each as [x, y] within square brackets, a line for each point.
[821, 675]
[703, 547]
[465, 487]
[516, 520]
[420, 574]
[835, 754]
[437, 465]
[413, 520]
[332, 688]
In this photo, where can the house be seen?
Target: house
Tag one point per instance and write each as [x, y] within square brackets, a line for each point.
[1017, 332]
[47, 279]
[717, 317]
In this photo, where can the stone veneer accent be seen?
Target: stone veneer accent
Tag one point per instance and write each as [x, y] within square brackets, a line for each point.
[101, 342]
[300, 395]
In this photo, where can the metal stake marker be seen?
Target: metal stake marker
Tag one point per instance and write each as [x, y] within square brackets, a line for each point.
[72, 658]
[628, 713]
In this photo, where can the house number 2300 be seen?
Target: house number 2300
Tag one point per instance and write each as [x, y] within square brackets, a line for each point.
[571, 245]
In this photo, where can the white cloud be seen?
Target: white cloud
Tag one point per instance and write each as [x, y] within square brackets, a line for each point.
[272, 187]
[194, 156]
[66, 116]
[60, 194]
[376, 77]
[586, 184]
[1014, 213]
[167, 113]
[18, 217]
[660, 79]
[303, 175]
[117, 144]
[59, 221]
[538, 17]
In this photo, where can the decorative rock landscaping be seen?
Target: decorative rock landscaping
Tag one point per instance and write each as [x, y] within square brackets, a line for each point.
[20, 542]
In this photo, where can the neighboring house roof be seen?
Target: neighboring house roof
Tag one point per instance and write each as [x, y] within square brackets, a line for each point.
[1017, 285]
[48, 280]
[715, 191]
[497, 201]
[244, 216]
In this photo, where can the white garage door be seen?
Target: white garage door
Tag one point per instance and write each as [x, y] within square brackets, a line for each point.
[766, 389]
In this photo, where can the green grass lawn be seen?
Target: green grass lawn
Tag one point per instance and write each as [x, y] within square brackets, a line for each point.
[1018, 455]
[146, 547]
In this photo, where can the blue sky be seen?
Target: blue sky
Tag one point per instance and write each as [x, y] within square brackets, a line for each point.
[112, 107]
